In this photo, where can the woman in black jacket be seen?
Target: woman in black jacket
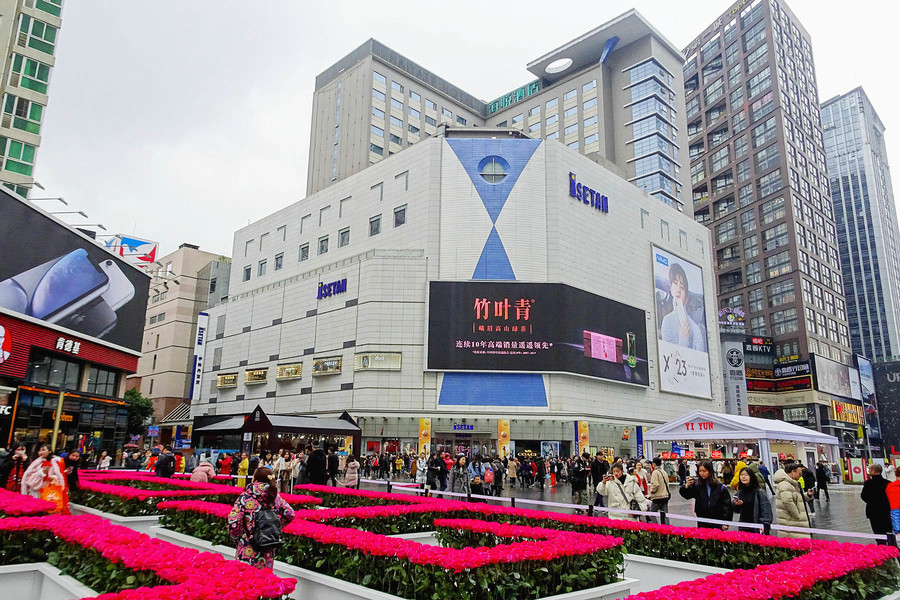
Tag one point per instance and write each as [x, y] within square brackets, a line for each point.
[711, 498]
[751, 502]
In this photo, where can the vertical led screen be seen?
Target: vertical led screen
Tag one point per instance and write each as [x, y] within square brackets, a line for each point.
[534, 327]
[681, 325]
[870, 401]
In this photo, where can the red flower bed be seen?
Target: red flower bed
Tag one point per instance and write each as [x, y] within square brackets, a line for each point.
[13, 504]
[327, 490]
[194, 575]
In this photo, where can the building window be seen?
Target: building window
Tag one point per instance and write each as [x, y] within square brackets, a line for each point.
[32, 74]
[378, 112]
[415, 96]
[247, 271]
[343, 237]
[400, 216]
[430, 104]
[379, 95]
[396, 86]
[304, 253]
[323, 245]
[279, 261]
[396, 104]
[212, 285]
[262, 268]
[569, 95]
[460, 120]
[376, 131]
[754, 273]
[51, 371]
[518, 118]
[570, 112]
[375, 225]
[27, 115]
[590, 104]
[551, 103]
[778, 264]
[103, 381]
[379, 77]
[376, 149]
[493, 169]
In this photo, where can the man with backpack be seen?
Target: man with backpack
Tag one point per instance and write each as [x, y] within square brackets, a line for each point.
[165, 464]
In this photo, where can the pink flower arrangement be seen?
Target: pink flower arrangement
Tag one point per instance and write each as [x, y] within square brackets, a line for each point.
[13, 504]
[408, 498]
[820, 561]
[194, 575]
[553, 544]
[93, 482]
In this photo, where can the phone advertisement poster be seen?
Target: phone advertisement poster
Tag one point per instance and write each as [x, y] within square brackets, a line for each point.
[681, 325]
[63, 278]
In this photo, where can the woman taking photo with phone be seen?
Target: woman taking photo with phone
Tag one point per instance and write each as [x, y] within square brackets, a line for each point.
[711, 499]
[621, 492]
[751, 502]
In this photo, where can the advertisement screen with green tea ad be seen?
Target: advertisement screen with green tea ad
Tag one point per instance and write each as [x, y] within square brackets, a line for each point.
[534, 327]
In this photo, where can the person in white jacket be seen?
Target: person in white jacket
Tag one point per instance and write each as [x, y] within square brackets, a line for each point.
[619, 491]
[43, 471]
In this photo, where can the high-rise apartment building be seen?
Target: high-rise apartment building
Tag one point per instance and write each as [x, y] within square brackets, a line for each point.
[866, 221]
[29, 31]
[759, 181]
[184, 283]
[614, 94]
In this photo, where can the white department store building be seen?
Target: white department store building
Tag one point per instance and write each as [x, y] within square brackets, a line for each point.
[329, 302]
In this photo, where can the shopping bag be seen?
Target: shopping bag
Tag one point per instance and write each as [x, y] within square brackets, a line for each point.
[53, 493]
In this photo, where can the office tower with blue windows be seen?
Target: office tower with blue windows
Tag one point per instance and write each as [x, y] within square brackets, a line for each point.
[866, 219]
[759, 181]
[614, 94]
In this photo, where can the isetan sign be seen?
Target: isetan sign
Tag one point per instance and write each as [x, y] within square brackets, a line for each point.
[327, 290]
[591, 197]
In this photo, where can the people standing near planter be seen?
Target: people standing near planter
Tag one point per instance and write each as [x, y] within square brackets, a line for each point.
[333, 463]
[893, 494]
[621, 492]
[541, 474]
[104, 461]
[808, 483]
[459, 477]
[204, 472]
[822, 478]
[251, 519]
[682, 472]
[421, 465]
[874, 494]
[351, 474]
[317, 466]
[165, 464]
[243, 469]
[751, 501]
[712, 499]
[641, 476]
[43, 479]
[790, 505]
[659, 487]
[14, 469]
[579, 476]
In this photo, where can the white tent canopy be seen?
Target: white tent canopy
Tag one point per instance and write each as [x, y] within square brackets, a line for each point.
[703, 425]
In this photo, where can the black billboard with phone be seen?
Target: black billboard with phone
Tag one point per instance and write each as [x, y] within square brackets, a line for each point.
[52, 273]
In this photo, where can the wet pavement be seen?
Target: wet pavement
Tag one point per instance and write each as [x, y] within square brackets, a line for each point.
[845, 511]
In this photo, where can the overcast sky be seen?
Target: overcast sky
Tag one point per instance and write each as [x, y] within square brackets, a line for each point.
[182, 121]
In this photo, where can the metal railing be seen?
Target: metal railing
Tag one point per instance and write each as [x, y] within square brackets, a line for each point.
[662, 517]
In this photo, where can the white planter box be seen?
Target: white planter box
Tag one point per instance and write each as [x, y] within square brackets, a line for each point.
[653, 573]
[40, 581]
[140, 524]
[316, 586]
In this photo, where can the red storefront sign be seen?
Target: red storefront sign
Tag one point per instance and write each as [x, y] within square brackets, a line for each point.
[17, 337]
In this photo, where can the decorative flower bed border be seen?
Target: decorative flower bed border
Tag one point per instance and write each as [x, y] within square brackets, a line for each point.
[126, 500]
[773, 568]
[13, 504]
[334, 497]
[133, 566]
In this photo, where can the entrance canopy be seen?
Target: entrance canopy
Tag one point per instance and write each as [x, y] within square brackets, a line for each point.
[703, 425]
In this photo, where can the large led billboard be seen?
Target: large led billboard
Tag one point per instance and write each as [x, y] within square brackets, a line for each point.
[534, 327]
[870, 401]
[53, 274]
[681, 325]
[836, 378]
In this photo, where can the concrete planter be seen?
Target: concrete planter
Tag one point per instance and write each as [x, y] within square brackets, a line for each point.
[139, 524]
[316, 586]
[653, 573]
[40, 581]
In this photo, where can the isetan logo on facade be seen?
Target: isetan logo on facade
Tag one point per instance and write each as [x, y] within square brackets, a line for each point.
[579, 191]
[327, 290]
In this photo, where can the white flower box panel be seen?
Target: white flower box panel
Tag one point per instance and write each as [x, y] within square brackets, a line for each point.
[40, 581]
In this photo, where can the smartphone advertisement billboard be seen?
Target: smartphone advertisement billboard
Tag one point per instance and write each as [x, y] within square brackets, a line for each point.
[52, 273]
[681, 325]
[534, 327]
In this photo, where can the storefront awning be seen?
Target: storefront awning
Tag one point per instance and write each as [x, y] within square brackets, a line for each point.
[703, 425]
[233, 424]
[180, 415]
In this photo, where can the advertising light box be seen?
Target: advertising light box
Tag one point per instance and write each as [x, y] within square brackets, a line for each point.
[534, 327]
[53, 274]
